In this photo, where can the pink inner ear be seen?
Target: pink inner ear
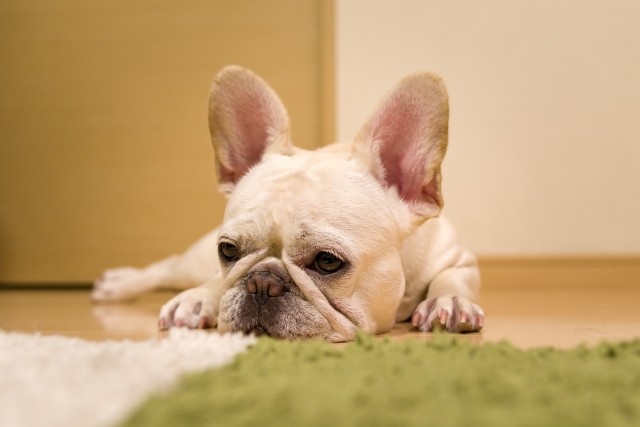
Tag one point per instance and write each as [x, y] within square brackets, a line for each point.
[402, 150]
[250, 119]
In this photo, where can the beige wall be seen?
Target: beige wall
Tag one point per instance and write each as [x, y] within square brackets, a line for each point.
[545, 113]
[105, 157]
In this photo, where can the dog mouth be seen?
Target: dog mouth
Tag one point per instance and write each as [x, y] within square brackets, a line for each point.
[285, 316]
[258, 331]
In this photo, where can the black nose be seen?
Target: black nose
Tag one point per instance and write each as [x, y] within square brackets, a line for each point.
[265, 284]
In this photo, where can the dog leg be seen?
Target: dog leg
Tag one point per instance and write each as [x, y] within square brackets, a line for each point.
[127, 282]
[196, 265]
[193, 308]
[449, 303]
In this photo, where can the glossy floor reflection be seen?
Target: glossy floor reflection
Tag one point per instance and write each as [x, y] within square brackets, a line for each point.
[528, 317]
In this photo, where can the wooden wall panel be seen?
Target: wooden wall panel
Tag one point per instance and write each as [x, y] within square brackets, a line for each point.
[105, 157]
[327, 73]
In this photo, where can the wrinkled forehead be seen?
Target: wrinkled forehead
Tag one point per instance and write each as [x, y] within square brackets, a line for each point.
[301, 196]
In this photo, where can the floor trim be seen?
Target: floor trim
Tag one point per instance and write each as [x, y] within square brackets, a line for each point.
[45, 285]
[501, 271]
[561, 271]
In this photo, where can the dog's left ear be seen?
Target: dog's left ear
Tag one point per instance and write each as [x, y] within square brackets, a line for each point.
[405, 139]
[246, 120]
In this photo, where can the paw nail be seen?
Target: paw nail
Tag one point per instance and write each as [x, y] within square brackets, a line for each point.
[443, 317]
[415, 320]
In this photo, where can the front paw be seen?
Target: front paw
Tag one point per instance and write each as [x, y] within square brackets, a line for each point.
[451, 313]
[194, 308]
[119, 284]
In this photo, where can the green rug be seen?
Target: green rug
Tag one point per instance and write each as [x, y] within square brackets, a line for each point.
[442, 382]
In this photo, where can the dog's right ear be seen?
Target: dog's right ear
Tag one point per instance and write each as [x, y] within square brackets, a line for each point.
[246, 120]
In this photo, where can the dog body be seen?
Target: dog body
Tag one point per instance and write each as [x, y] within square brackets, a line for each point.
[317, 244]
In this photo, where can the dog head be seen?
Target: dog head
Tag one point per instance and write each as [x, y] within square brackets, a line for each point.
[310, 242]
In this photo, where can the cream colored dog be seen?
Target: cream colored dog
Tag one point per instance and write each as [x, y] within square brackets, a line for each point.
[316, 244]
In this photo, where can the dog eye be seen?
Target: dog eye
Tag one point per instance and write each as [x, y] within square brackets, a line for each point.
[228, 251]
[326, 263]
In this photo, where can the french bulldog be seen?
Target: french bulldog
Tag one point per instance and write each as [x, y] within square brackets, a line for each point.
[318, 244]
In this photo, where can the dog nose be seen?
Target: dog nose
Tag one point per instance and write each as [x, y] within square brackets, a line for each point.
[265, 284]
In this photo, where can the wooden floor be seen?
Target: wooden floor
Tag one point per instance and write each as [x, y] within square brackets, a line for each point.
[526, 316]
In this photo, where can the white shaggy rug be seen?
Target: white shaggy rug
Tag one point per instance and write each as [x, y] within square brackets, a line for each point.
[60, 381]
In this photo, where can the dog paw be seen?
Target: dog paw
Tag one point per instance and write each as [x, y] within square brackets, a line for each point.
[451, 313]
[119, 284]
[195, 308]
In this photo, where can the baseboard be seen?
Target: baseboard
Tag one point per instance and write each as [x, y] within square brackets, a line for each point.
[561, 271]
[503, 271]
[45, 285]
